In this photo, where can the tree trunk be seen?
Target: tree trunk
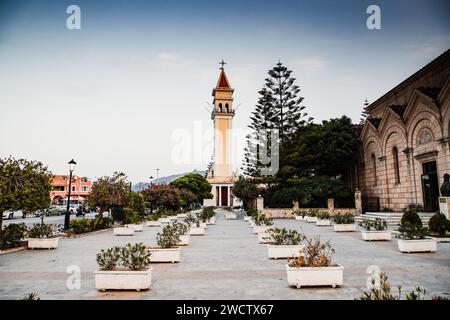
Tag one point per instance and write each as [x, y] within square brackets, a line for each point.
[1, 220]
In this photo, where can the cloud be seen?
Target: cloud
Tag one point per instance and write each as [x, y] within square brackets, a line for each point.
[311, 63]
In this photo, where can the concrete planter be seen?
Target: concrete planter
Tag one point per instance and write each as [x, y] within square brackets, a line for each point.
[311, 219]
[382, 235]
[172, 218]
[182, 215]
[323, 222]
[203, 225]
[230, 216]
[171, 255]
[164, 220]
[422, 245]
[259, 229]
[345, 227]
[123, 280]
[321, 276]
[43, 243]
[246, 218]
[184, 240]
[122, 231]
[284, 251]
[135, 227]
[196, 231]
[153, 223]
[300, 218]
[211, 221]
[264, 237]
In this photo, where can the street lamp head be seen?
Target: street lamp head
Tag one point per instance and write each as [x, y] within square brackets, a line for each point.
[151, 177]
[72, 164]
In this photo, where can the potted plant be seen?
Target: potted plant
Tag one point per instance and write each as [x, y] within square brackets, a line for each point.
[375, 230]
[195, 228]
[412, 235]
[323, 219]
[42, 236]
[249, 214]
[311, 215]
[123, 231]
[284, 243]
[167, 249]
[262, 224]
[439, 225]
[136, 227]
[124, 268]
[153, 221]
[344, 222]
[300, 215]
[183, 232]
[207, 216]
[315, 267]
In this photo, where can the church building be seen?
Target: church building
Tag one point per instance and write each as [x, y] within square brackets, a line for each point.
[405, 149]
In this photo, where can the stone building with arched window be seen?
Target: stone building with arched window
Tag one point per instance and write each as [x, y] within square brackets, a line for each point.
[405, 149]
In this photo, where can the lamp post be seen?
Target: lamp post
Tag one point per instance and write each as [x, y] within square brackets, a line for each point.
[72, 164]
[151, 185]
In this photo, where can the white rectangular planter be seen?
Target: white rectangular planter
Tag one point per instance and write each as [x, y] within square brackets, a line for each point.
[382, 235]
[230, 216]
[122, 231]
[123, 280]
[320, 276]
[182, 215]
[184, 240]
[172, 218]
[211, 221]
[323, 222]
[284, 251]
[43, 243]
[259, 229]
[423, 245]
[203, 225]
[196, 231]
[311, 219]
[299, 218]
[152, 223]
[164, 220]
[135, 227]
[164, 255]
[264, 237]
[350, 227]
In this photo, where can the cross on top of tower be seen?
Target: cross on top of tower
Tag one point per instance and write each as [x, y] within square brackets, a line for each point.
[222, 63]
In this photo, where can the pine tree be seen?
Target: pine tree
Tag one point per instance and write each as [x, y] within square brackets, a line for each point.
[259, 141]
[288, 110]
[364, 113]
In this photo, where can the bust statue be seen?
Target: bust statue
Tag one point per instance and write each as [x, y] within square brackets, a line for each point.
[445, 188]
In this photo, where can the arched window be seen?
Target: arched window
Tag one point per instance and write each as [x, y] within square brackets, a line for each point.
[374, 164]
[220, 107]
[226, 108]
[396, 166]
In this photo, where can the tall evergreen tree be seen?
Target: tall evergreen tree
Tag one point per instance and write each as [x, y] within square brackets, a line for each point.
[288, 110]
[364, 113]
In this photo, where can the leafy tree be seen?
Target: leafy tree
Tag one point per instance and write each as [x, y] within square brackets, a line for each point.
[197, 184]
[245, 190]
[187, 198]
[163, 197]
[136, 202]
[24, 185]
[364, 113]
[110, 192]
[288, 111]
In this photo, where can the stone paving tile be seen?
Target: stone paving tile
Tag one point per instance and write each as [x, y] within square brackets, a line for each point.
[226, 263]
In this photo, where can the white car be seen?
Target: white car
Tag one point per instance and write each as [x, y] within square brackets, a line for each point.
[11, 214]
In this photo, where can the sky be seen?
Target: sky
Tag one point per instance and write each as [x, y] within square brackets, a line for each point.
[129, 91]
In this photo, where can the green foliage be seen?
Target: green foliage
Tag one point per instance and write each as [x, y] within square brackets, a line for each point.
[377, 224]
[153, 217]
[81, 225]
[101, 222]
[317, 254]
[251, 212]
[31, 296]
[24, 185]
[284, 236]
[312, 212]
[383, 291]
[136, 202]
[12, 235]
[134, 257]
[162, 197]
[182, 228]
[169, 237]
[110, 192]
[346, 218]
[187, 198]
[262, 220]
[245, 190]
[411, 226]
[323, 215]
[196, 184]
[41, 231]
[206, 214]
[439, 224]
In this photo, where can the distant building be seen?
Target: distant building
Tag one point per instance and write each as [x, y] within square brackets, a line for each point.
[405, 148]
[81, 188]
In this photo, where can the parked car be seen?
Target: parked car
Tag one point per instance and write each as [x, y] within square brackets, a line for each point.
[11, 214]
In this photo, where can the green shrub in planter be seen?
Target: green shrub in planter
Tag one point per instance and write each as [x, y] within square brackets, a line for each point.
[12, 235]
[82, 225]
[252, 212]
[378, 224]
[346, 218]
[41, 231]
[312, 213]
[134, 257]
[108, 259]
[411, 226]
[323, 215]
[101, 222]
[285, 237]
[207, 213]
[262, 220]
[169, 237]
[182, 228]
[439, 224]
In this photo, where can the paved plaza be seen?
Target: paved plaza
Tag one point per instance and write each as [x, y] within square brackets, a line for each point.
[226, 263]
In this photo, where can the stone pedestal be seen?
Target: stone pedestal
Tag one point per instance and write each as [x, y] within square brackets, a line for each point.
[331, 204]
[295, 205]
[444, 205]
[358, 203]
[260, 204]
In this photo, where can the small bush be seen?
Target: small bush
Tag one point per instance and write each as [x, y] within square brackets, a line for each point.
[31, 296]
[323, 215]
[12, 235]
[169, 237]
[439, 224]
[378, 224]
[82, 225]
[134, 257]
[108, 259]
[101, 222]
[317, 254]
[252, 212]
[312, 213]
[182, 228]
[411, 226]
[262, 220]
[346, 218]
[285, 237]
[41, 231]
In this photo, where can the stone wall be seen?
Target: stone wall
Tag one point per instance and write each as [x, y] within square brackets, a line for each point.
[288, 213]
